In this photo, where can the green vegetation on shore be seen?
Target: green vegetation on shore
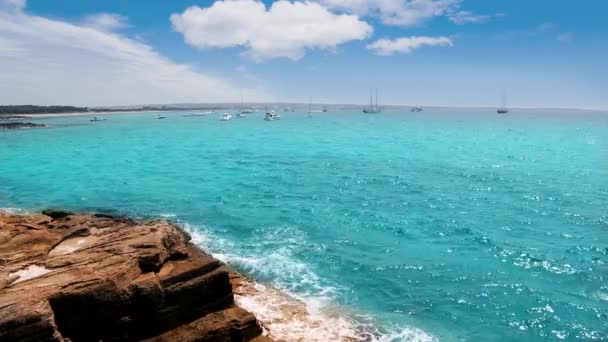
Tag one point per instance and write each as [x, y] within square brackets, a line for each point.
[31, 109]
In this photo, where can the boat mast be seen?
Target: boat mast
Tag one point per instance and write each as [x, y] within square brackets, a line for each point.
[242, 103]
[309, 104]
[376, 98]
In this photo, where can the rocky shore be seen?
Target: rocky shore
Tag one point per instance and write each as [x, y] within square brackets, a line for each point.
[17, 125]
[93, 277]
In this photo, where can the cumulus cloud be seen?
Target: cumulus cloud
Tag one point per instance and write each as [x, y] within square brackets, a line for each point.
[389, 47]
[46, 61]
[107, 21]
[396, 12]
[285, 29]
[463, 17]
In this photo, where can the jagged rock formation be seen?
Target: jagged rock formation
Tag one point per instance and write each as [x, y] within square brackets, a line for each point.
[88, 277]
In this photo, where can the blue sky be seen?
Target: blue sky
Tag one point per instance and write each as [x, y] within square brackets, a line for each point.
[544, 53]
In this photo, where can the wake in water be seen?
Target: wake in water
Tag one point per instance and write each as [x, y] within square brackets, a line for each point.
[296, 305]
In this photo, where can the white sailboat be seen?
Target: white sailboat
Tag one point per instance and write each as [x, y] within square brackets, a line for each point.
[373, 108]
[244, 111]
[309, 115]
[503, 106]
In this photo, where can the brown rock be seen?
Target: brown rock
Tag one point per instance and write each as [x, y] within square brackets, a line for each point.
[81, 277]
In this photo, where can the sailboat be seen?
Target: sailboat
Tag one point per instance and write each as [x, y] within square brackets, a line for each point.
[244, 111]
[503, 108]
[372, 109]
[309, 108]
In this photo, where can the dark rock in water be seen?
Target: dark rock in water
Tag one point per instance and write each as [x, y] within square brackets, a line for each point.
[17, 125]
[56, 213]
[100, 278]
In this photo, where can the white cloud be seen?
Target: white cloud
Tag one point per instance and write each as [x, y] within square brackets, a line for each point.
[463, 17]
[566, 37]
[389, 47]
[44, 61]
[107, 21]
[285, 29]
[396, 12]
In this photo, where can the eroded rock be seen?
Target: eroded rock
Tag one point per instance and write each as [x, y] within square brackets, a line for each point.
[112, 279]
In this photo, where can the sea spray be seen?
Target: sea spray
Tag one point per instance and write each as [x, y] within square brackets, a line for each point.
[291, 316]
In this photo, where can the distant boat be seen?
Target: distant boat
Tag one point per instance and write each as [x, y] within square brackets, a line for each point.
[417, 109]
[95, 119]
[159, 117]
[226, 117]
[241, 115]
[271, 115]
[373, 108]
[243, 109]
[503, 106]
[309, 115]
[324, 109]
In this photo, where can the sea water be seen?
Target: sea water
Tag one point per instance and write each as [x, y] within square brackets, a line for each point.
[451, 225]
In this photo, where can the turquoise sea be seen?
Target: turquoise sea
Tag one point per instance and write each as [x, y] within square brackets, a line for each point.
[450, 225]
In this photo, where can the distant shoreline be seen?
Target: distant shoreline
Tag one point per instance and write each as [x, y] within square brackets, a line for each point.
[88, 112]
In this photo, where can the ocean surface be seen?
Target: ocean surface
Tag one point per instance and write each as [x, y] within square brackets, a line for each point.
[449, 225]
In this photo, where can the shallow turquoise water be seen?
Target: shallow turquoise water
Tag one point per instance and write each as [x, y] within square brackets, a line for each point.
[464, 224]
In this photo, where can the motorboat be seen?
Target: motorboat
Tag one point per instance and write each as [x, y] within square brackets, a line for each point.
[226, 117]
[417, 109]
[271, 116]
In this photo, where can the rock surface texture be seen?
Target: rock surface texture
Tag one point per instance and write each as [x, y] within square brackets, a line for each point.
[87, 277]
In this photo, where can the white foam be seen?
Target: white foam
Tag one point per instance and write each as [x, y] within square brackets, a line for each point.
[312, 319]
[12, 211]
[298, 306]
[29, 272]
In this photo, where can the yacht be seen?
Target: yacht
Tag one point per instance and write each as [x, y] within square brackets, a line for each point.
[309, 115]
[226, 117]
[417, 109]
[271, 115]
[324, 109]
[503, 107]
[373, 108]
[243, 109]
[95, 119]
[241, 115]
[159, 117]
